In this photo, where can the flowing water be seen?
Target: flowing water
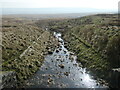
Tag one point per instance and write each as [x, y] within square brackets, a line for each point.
[60, 70]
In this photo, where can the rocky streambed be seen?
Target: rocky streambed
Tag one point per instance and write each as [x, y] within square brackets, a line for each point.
[61, 70]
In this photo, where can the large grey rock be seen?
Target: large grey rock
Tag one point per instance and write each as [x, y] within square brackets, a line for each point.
[8, 79]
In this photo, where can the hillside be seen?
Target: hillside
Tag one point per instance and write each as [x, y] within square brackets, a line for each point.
[95, 39]
[24, 46]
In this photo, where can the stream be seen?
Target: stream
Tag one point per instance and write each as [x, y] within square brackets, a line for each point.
[61, 70]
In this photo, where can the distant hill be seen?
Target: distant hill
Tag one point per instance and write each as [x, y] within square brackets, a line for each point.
[47, 16]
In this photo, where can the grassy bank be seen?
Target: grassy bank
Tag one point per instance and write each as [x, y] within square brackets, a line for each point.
[101, 35]
[24, 46]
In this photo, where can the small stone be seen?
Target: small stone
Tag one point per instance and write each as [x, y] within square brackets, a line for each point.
[97, 84]
[50, 80]
[30, 66]
[57, 59]
[60, 49]
[61, 65]
[50, 52]
[47, 48]
[71, 53]
[46, 68]
[81, 72]
[75, 64]
[65, 52]
[80, 65]
[62, 60]
[50, 75]
[57, 51]
[65, 46]
[66, 73]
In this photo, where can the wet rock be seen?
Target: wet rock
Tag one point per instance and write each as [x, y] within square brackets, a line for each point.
[62, 85]
[81, 79]
[45, 53]
[65, 52]
[50, 52]
[101, 81]
[50, 81]
[65, 43]
[47, 48]
[46, 68]
[71, 58]
[83, 84]
[65, 46]
[30, 66]
[81, 72]
[59, 76]
[57, 51]
[53, 75]
[61, 66]
[60, 49]
[59, 56]
[77, 85]
[66, 56]
[60, 46]
[62, 60]
[71, 53]
[37, 63]
[116, 70]
[57, 59]
[66, 73]
[75, 64]
[32, 53]
[50, 75]
[60, 40]
[44, 42]
[80, 65]
[97, 84]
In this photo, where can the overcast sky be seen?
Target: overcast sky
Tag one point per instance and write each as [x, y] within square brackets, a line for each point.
[97, 4]
[57, 6]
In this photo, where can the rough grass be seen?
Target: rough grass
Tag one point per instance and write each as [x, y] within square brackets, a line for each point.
[23, 47]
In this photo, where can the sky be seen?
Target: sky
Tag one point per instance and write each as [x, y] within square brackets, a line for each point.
[91, 4]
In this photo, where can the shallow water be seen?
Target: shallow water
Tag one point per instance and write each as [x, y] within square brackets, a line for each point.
[60, 70]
